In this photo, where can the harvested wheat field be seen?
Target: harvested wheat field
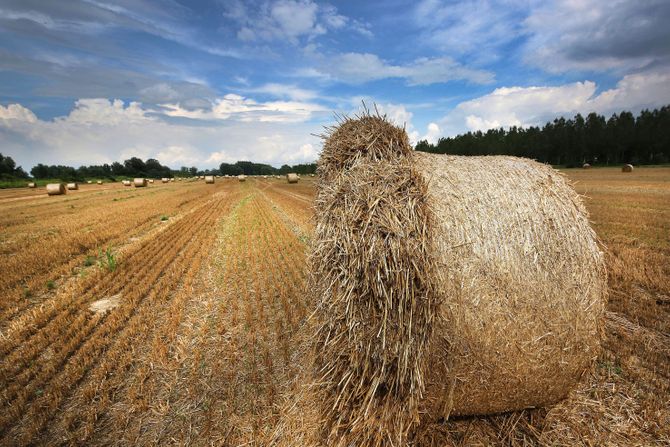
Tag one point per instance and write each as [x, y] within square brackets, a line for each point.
[177, 314]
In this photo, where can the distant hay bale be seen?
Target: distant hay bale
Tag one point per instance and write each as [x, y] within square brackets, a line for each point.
[32, 185]
[586, 166]
[627, 168]
[311, 175]
[126, 182]
[99, 182]
[165, 180]
[292, 177]
[151, 180]
[444, 285]
[242, 178]
[73, 186]
[209, 179]
[89, 181]
[140, 182]
[172, 179]
[56, 189]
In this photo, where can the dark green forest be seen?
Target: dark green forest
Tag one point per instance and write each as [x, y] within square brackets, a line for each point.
[136, 167]
[623, 138]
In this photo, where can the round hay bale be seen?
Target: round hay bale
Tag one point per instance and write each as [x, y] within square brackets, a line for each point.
[73, 186]
[89, 182]
[292, 177]
[586, 166]
[151, 180]
[209, 179]
[32, 185]
[56, 189]
[242, 178]
[99, 182]
[445, 285]
[627, 168]
[165, 180]
[126, 182]
[140, 182]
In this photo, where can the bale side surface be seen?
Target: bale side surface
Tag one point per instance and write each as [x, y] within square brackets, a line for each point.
[140, 182]
[55, 189]
[209, 179]
[523, 288]
[445, 286]
[372, 269]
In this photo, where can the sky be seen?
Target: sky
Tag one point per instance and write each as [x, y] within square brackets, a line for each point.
[199, 83]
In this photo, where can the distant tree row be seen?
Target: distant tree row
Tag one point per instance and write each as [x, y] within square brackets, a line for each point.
[623, 138]
[136, 167]
[250, 168]
[9, 170]
[133, 167]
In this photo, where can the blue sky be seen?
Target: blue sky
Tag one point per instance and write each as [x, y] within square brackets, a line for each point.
[200, 83]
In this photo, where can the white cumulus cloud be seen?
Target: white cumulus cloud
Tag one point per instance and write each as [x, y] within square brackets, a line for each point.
[535, 105]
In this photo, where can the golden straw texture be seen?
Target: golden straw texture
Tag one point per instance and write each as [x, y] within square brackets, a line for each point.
[444, 286]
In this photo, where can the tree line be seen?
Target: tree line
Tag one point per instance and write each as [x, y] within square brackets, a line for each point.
[9, 170]
[250, 168]
[136, 167]
[623, 138]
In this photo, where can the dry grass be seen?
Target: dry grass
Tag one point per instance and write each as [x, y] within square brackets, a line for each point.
[202, 349]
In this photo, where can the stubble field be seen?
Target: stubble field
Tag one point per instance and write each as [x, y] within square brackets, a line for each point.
[192, 338]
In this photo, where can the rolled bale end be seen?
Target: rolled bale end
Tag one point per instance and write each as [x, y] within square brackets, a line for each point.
[242, 178]
[56, 189]
[445, 285]
[140, 182]
[627, 168]
[292, 177]
[32, 185]
[72, 186]
[209, 179]
[586, 166]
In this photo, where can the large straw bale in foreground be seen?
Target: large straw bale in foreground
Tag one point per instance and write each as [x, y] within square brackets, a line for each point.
[209, 179]
[446, 285]
[56, 189]
[242, 178]
[140, 182]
